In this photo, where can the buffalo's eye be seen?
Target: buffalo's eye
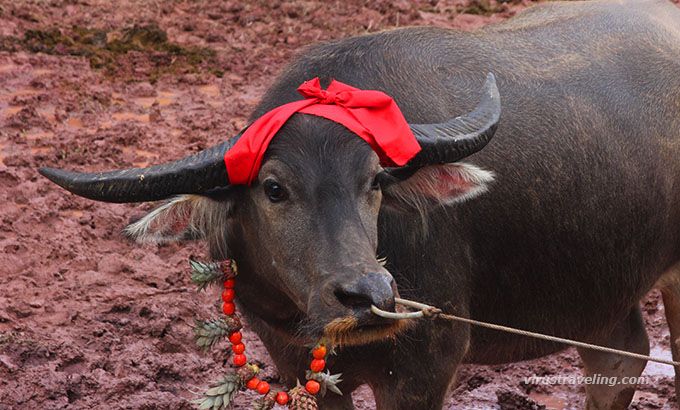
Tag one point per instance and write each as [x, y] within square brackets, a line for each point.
[375, 185]
[274, 191]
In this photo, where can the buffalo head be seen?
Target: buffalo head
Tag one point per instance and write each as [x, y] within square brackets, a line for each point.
[305, 232]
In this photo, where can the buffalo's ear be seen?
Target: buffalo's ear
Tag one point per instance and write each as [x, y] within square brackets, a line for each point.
[436, 185]
[185, 217]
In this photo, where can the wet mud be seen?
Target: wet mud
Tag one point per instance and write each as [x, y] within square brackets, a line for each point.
[89, 320]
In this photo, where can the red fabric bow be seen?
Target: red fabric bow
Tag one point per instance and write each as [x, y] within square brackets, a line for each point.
[370, 114]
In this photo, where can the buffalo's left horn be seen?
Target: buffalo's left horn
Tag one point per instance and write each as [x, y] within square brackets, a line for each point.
[459, 137]
[194, 174]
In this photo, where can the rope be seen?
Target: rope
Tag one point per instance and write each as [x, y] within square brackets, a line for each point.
[431, 312]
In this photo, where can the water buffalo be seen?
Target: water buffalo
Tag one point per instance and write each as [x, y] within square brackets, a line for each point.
[574, 220]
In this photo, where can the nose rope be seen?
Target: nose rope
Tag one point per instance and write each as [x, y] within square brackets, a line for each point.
[431, 312]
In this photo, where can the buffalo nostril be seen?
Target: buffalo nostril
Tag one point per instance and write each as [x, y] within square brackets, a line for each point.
[352, 300]
[373, 288]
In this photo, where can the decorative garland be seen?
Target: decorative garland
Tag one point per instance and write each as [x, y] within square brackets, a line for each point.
[223, 392]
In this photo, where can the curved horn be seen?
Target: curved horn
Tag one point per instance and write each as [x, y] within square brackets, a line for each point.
[462, 136]
[196, 173]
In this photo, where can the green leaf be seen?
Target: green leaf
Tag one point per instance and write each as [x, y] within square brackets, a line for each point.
[218, 402]
[206, 404]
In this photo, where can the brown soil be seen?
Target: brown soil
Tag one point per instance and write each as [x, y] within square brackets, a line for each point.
[90, 320]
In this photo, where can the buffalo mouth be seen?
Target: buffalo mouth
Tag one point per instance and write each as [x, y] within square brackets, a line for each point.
[350, 331]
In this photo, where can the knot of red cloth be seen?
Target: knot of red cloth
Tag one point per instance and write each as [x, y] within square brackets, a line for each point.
[324, 96]
[371, 114]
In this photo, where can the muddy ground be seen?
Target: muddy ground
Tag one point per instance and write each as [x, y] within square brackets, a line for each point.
[90, 320]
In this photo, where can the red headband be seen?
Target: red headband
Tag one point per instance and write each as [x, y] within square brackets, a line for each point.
[370, 114]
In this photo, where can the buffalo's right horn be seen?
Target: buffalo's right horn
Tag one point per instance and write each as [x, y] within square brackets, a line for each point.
[459, 137]
[197, 173]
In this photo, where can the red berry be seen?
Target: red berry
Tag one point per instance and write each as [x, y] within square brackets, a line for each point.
[235, 337]
[319, 352]
[313, 386]
[263, 387]
[228, 295]
[228, 308]
[240, 360]
[282, 398]
[238, 348]
[252, 383]
[317, 365]
[229, 283]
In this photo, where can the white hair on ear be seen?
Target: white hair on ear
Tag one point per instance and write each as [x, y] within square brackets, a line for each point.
[185, 217]
[442, 184]
[154, 226]
[437, 185]
[477, 178]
